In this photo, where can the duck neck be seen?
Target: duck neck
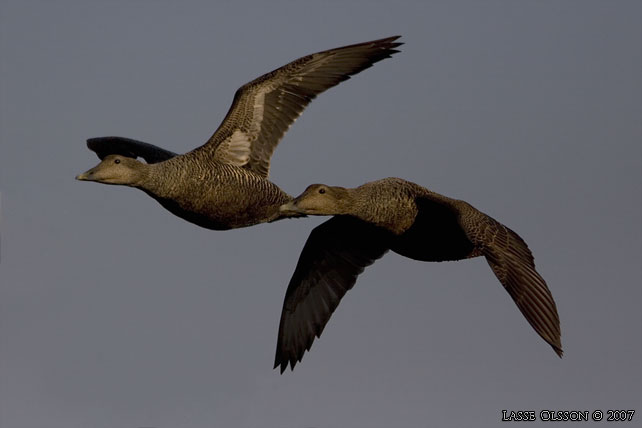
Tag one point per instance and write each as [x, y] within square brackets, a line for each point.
[359, 204]
[148, 179]
[346, 202]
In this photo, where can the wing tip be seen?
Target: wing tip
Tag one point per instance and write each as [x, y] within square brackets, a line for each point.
[389, 40]
[557, 346]
[386, 47]
[282, 363]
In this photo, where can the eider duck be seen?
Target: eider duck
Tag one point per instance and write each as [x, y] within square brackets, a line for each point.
[224, 183]
[398, 215]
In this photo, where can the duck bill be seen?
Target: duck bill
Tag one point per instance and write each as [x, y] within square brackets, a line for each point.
[90, 175]
[85, 176]
[290, 208]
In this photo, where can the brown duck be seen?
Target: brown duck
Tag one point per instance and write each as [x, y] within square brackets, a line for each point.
[223, 184]
[395, 214]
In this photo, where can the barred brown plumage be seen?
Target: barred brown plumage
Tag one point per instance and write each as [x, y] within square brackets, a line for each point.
[224, 183]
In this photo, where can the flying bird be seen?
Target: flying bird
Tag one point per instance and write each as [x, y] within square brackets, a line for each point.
[224, 184]
[398, 215]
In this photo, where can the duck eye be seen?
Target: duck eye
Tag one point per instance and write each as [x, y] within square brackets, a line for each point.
[322, 190]
[116, 161]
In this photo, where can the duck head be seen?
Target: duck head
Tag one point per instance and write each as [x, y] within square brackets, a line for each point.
[115, 169]
[320, 199]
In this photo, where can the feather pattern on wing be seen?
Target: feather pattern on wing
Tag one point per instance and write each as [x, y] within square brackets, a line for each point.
[512, 262]
[264, 109]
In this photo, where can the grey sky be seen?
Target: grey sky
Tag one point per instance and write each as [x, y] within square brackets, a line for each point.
[114, 313]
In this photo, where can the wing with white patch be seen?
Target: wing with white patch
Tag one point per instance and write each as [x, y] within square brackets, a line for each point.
[264, 109]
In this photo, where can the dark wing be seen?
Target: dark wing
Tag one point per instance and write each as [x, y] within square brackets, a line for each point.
[513, 264]
[264, 109]
[104, 146]
[335, 253]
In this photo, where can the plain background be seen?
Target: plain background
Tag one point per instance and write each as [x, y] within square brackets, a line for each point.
[114, 313]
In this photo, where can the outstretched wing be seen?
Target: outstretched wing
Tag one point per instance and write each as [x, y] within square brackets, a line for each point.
[264, 109]
[104, 146]
[513, 264]
[335, 253]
